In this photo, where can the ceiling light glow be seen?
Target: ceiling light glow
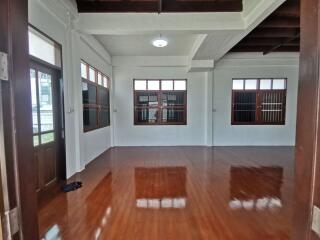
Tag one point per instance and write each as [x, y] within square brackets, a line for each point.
[160, 42]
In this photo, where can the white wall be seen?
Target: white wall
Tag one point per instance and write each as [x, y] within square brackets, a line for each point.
[253, 66]
[55, 19]
[209, 101]
[127, 134]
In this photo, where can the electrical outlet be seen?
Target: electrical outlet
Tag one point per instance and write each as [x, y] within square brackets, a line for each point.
[316, 220]
[4, 73]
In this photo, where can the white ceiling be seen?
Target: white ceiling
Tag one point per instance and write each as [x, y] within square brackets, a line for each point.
[201, 38]
[141, 45]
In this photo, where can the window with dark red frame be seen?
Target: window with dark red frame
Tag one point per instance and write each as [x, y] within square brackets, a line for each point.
[95, 98]
[259, 101]
[160, 102]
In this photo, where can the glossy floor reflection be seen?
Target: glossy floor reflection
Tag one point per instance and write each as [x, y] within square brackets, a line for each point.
[178, 193]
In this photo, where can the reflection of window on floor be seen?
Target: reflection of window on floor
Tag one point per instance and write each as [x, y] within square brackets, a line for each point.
[262, 192]
[162, 203]
[256, 204]
[162, 187]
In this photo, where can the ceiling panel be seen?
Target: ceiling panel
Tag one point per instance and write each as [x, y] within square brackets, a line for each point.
[141, 45]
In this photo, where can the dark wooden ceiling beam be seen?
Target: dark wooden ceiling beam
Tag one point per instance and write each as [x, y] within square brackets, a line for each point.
[260, 49]
[202, 6]
[269, 42]
[166, 6]
[273, 32]
[291, 8]
[128, 6]
[284, 43]
[280, 22]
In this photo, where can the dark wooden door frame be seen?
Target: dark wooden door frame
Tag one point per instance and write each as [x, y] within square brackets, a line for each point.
[46, 192]
[16, 97]
[307, 170]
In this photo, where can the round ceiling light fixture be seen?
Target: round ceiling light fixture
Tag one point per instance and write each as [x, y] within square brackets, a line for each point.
[160, 42]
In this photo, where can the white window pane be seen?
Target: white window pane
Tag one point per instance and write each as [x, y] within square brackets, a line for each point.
[153, 85]
[105, 81]
[92, 74]
[167, 85]
[100, 79]
[47, 137]
[46, 102]
[180, 85]
[35, 125]
[265, 84]
[35, 140]
[237, 84]
[251, 84]
[84, 73]
[42, 48]
[279, 84]
[140, 85]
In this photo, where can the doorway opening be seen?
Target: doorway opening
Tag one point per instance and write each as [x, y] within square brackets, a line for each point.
[47, 114]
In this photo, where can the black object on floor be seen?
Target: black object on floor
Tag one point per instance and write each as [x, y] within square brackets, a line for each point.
[71, 186]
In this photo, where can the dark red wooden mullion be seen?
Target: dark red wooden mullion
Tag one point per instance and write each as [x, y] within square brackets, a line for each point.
[97, 101]
[96, 76]
[135, 99]
[232, 108]
[185, 106]
[284, 107]
[97, 106]
[38, 106]
[159, 113]
[258, 107]
[134, 105]
[160, 107]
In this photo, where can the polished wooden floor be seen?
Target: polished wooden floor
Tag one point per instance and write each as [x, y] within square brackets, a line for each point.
[178, 193]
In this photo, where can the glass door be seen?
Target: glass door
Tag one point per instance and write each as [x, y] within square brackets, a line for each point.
[47, 127]
[42, 107]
